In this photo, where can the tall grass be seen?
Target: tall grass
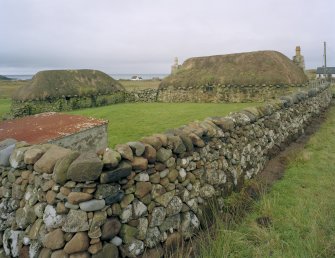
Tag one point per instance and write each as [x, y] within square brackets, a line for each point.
[4, 107]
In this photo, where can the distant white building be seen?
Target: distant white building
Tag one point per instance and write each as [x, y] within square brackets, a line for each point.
[322, 72]
[136, 78]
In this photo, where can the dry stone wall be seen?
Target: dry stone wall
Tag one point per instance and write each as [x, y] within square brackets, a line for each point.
[225, 93]
[56, 202]
[144, 95]
[24, 108]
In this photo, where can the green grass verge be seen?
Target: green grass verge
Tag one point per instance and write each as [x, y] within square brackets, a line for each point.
[7, 88]
[301, 207]
[4, 106]
[140, 85]
[130, 122]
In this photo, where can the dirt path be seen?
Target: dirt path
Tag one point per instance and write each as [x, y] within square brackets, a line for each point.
[275, 168]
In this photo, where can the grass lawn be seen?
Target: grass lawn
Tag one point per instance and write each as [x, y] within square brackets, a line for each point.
[7, 88]
[140, 85]
[4, 107]
[301, 207]
[130, 122]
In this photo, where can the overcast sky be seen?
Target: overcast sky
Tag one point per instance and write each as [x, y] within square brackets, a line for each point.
[144, 36]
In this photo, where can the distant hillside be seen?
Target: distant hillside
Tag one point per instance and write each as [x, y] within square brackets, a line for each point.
[4, 78]
[261, 67]
[58, 83]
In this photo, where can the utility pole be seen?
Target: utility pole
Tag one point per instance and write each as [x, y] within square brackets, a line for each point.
[325, 57]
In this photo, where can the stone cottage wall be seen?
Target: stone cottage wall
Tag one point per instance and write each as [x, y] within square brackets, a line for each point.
[30, 107]
[59, 203]
[145, 95]
[225, 93]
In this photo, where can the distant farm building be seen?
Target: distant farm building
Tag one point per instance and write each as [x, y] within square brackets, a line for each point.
[69, 131]
[328, 72]
[252, 76]
[61, 90]
[136, 78]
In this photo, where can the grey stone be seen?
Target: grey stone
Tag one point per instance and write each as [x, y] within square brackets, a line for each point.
[16, 157]
[108, 250]
[34, 248]
[127, 214]
[12, 242]
[5, 153]
[39, 209]
[75, 221]
[137, 147]
[7, 142]
[60, 170]
[25, 216]
[177, 144]
[164, 199]
[153, 141]
[92, 205]
[135, 247]
[110, 229]
[172, 222]
[164, 173]
[105, 190]
[163, 154]
[122, 171]
[71, 206]
[215, 176]
[157, 216]
[47, 162]
[139, 209]
[111, 158]
[98, 220]
[174, 206]
[189, 225]
[117, 241]
[142, 177]
[87, 167]
[51, 218]
[125, 151]
[142, 228]
[114, 198]
[207, 191]
[32, 155]
[153, 237]
[128, 233]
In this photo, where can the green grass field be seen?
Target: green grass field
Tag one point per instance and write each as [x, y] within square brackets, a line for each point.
[301, 207]
[130, 122]
[7, 88]
[140, 85]
[4, 107]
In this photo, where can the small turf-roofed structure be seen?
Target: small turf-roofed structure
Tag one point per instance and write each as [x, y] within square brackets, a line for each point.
[232, 78]
[69, 131]
[61, 90]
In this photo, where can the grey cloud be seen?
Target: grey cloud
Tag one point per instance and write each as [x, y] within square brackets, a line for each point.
[144, 36]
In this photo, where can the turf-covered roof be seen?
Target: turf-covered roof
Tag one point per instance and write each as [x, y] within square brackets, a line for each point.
[251, 68]
[60, 83]
[4, 78]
